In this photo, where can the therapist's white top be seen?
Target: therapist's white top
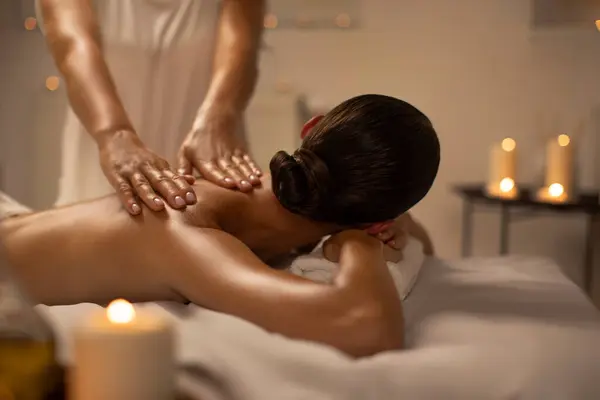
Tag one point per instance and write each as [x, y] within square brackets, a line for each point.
[160, 54]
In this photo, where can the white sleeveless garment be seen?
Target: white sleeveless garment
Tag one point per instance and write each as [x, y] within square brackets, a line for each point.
[160, 54]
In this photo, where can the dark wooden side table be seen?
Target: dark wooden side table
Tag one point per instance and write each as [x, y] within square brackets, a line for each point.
[585, 204]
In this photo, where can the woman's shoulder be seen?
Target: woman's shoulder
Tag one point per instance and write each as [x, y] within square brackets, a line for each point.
[216, 207]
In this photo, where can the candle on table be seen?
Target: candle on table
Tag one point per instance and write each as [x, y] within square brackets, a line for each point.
[123, 356]
[559, 170]
[503, 161]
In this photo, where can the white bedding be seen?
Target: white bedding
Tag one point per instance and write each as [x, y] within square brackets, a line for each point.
[501, 328]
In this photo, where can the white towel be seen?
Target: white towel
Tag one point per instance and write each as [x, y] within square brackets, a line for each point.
[315, 267]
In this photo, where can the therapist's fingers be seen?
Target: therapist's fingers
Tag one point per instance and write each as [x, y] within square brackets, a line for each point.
[189, 179]
[164, 184]
[213, 173]
[144, 191]
[247, 172]
[228, 166]
[252, 165]
[126, 194]
[184, 186]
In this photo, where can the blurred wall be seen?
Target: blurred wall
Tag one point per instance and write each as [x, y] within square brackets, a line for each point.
[475, 67]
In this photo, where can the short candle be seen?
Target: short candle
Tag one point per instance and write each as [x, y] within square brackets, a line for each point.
[120, 355]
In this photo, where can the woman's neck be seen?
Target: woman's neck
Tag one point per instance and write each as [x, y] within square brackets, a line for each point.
[267, 228]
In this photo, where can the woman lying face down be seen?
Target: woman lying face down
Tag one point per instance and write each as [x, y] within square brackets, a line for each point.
[367, 161]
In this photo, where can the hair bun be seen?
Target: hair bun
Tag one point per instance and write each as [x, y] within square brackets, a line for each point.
[301, 182]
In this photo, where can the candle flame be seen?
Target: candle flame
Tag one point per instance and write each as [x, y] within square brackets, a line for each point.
[563, 140]
[556, 190]
[506, 185]
[120, 311]
[509, 144]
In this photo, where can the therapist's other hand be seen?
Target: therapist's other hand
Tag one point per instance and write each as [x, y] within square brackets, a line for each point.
[214, 149]
[334, 247]
[137, 174]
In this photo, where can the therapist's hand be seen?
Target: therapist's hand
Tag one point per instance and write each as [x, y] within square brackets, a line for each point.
[137, 174]
[214, 149]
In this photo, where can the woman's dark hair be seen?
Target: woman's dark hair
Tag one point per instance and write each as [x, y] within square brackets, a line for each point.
[370, 159]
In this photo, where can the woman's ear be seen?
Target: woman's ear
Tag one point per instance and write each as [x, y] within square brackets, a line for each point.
[378, 227]
[309, 125]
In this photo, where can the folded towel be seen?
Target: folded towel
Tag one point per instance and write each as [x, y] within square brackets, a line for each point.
[315, 267]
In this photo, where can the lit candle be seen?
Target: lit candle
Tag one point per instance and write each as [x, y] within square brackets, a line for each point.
[503, 162]
[123, 356]
[559, 170]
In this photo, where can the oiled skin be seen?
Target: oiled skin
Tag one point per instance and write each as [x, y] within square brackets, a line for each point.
[95, 252]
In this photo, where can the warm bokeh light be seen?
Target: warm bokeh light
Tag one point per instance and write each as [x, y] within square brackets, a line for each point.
[120, 311]
[52, 83]
[509, 144]
[506, 185]
[563, 140]
[598, 24]
[271, 21]
[30, 23]
[556, 190]
[343, 21]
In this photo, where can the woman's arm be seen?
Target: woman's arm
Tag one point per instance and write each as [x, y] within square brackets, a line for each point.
[360, 314]
[397, 235]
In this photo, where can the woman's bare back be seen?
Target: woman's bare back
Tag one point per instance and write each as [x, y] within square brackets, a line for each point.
[93, 239]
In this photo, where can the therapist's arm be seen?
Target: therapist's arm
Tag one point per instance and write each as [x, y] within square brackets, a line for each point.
[235, 69]
[73, 37]
[359, 314]
[74, 40]
[213, 146]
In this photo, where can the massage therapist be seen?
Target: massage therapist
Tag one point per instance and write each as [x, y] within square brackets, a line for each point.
[154, 76]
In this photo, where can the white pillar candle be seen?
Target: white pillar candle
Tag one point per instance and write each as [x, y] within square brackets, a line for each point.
[123, 356]
[559, 170]
[559, 162]
[503, 163]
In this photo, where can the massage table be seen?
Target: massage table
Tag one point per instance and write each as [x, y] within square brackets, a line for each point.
[480, 328]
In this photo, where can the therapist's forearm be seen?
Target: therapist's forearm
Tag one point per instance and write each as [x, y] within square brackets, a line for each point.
[74, 40]
[235, 70]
